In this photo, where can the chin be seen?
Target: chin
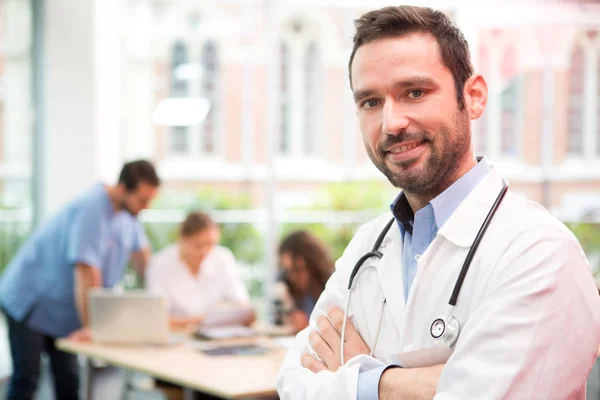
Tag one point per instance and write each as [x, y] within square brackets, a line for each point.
[406, 167]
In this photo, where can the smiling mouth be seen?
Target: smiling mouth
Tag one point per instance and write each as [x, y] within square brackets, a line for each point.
[405, 148]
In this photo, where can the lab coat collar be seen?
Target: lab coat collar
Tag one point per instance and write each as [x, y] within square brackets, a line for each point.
[464, 224]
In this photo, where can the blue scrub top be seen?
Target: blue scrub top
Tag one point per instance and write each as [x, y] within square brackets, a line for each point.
[38, 283]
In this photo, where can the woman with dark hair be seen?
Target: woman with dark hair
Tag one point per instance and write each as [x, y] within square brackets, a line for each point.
[306, 265]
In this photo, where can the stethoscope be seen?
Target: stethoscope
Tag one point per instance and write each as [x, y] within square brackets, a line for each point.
[444, 330]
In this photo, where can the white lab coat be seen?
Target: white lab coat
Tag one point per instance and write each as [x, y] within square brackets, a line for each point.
[529, 308]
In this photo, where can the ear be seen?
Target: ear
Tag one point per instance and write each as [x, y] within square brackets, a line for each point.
[475, 95]
[121, 189]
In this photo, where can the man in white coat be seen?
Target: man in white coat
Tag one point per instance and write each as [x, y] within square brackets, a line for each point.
[528, 309]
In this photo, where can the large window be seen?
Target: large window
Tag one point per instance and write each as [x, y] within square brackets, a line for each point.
[300, 90]
[195, 75]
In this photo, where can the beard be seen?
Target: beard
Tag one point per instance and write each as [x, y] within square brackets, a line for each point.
[447, 150]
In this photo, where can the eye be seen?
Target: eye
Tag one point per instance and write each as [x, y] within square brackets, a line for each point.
[369, 104]
[416, 94]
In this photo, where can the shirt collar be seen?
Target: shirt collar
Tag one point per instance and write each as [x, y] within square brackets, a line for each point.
[108, 207]
[446, 202]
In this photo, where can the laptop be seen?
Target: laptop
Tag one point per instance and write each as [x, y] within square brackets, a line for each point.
[132, 317]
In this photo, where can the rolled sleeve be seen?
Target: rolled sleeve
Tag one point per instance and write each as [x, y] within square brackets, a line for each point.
[87, 238]
[140, 240]
[368, 383]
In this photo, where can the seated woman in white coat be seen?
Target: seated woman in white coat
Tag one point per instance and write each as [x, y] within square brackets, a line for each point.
[198, 277]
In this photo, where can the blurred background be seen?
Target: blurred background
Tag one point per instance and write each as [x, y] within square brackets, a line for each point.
[246, 110]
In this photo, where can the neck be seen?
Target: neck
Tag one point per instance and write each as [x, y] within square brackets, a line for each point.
[114, 197]
[420, 200]
[192, 266]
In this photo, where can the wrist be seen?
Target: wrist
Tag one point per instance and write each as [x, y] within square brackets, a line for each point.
[389, 383]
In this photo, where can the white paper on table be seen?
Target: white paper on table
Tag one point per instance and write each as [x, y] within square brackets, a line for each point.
[226, 332]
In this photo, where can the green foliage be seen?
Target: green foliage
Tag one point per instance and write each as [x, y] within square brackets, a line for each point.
[336, 237]
[355, 196]
[589, 238]
[373, 198]
[12, 236]
[243, 239]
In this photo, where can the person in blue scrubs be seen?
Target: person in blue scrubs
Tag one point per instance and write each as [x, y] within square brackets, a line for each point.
[305, 265]
[43, 291]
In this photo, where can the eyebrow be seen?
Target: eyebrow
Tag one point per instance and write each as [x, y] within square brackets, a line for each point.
[405, 84]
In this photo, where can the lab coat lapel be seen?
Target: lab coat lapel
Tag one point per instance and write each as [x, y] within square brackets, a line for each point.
[390, 274]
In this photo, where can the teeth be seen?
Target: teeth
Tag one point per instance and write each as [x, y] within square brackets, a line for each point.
[402, 149]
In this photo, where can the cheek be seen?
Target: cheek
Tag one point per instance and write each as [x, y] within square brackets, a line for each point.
[305, 279]
[370, 127]
[130, 203]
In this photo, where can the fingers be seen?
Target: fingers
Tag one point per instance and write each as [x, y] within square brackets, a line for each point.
[312, 364]
[81, 335]
[337, 318]
[351, 335]
[353, 342]
[326, 342]
[324, 350]
[330, 334]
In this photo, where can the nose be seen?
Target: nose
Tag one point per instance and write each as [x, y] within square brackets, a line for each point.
[394, 118]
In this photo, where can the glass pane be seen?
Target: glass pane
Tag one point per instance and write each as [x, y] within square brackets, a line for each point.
[16, 125]
[210, 79]
[576, 78]
[179, 140]
[598, 105]
[311, 98]
[510, 101]
[179, 59]
[284, 138]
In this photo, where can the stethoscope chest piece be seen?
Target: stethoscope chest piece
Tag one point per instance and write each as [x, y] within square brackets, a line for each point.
[438, 327]
[444, 331]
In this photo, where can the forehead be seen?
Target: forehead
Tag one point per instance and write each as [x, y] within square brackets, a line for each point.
[145, 188]
[210, 233]
[394, 59]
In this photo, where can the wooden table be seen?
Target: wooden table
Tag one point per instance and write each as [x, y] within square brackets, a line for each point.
[230, 377]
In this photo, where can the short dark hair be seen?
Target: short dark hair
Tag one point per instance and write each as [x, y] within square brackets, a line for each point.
[194, 223]
[403, 20]
[138, 171]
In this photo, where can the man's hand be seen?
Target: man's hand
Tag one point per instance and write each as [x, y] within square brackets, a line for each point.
[326, 342]
[185, 323]
[83, 335]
